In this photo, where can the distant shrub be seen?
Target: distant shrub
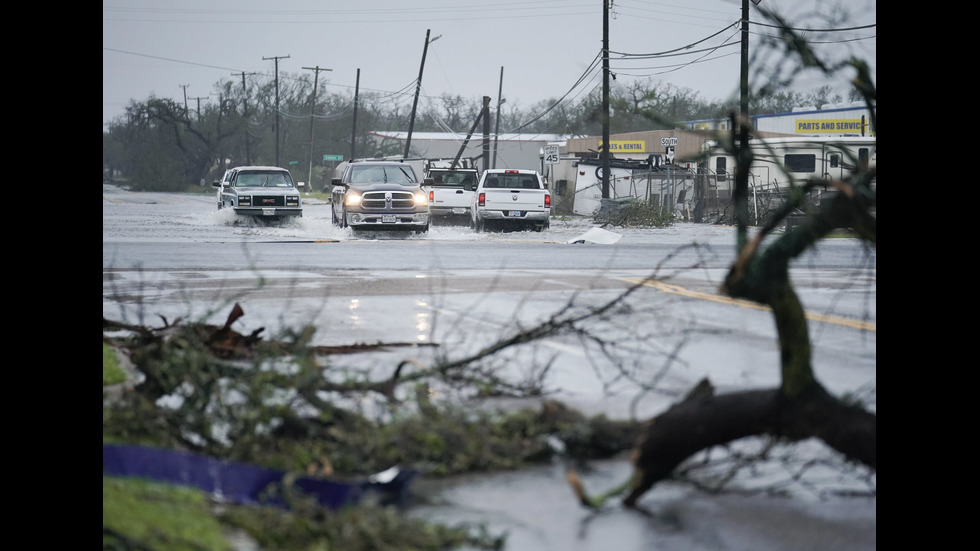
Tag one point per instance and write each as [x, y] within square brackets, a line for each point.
[632, 212]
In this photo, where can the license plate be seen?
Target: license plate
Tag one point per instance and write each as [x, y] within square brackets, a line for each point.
[268, 212]
[459, 211]
[514, 213]
[387, 218]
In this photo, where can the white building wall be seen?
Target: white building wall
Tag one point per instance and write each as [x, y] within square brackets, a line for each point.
[513, 150]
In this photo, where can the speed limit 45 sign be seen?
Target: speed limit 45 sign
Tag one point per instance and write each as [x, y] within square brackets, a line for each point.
[551, 154]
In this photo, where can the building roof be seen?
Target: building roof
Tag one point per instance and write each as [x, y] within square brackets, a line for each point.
[459, 137]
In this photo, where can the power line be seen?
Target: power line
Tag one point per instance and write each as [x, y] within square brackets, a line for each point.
[592, 67]
[680, 49]
[549, 9]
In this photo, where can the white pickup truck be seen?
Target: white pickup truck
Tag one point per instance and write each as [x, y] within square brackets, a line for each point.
[511, 199]
[450, 192]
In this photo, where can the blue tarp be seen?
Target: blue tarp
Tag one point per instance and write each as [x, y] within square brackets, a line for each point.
[241, 482]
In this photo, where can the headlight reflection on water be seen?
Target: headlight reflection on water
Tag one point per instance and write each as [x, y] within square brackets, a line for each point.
[422, 324]
[352, 307]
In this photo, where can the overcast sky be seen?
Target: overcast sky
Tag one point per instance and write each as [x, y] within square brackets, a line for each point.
[535, 50]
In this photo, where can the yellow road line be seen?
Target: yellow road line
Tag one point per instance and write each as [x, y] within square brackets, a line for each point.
[678, 290]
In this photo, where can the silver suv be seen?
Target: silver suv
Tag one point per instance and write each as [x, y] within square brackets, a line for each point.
[259, 191]
[379, 195]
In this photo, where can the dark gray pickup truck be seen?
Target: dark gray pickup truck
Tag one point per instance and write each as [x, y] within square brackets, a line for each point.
[379, 195]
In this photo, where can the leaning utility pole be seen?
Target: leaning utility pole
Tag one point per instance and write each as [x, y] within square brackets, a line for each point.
[496, 130]
[277, 101]
[418, 89]
[184, 86]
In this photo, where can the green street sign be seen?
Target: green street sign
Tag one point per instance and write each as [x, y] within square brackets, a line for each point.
[333, 157]
[294, 162]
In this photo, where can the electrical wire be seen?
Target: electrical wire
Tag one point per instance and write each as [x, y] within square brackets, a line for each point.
[592, 66]
[682, 48]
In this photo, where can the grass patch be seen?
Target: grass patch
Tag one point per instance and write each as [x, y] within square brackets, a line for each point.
[319, 195]
[158, 516]
[111, 372]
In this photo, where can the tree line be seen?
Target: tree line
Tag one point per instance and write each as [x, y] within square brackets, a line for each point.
[160, 144]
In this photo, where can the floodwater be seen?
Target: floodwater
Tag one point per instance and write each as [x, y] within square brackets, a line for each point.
[803, 498]
[537, 511]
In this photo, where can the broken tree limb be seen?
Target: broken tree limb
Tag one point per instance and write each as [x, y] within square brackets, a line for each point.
[706, 420]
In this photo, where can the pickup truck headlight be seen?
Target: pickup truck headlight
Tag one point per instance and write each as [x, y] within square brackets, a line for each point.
[292, 200]
[352, 199]
[421, 200]
[244, 200]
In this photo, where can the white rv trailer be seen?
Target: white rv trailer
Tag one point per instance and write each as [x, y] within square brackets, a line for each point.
[652, 181]
[779, 163]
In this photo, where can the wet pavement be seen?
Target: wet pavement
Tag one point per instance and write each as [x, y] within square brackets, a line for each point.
[536, 510]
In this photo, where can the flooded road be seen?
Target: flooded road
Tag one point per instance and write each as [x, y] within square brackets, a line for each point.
[536, 510]
[176, 255]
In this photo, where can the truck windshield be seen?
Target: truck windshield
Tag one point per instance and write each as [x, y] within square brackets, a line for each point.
[264, 179]
[393, 174]
[452, 178]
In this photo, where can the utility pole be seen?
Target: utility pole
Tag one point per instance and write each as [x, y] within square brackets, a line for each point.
[743, 92]
[743, 95]
[743, 126]
[198, 100]
[604, 150]
[221, 116]
[418, 88]
[496, 130]
[248, 151]
[277, 102]
[353, 132]
[486, 132]
[316, 74]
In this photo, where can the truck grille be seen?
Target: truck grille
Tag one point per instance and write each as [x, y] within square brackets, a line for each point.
[388, 200]
[270, 201]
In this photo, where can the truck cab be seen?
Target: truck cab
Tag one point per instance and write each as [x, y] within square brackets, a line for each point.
[259, 191]
[450, 191]
[511, 199]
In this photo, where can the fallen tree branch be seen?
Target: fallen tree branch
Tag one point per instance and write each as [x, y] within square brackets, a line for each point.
[704, 420]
